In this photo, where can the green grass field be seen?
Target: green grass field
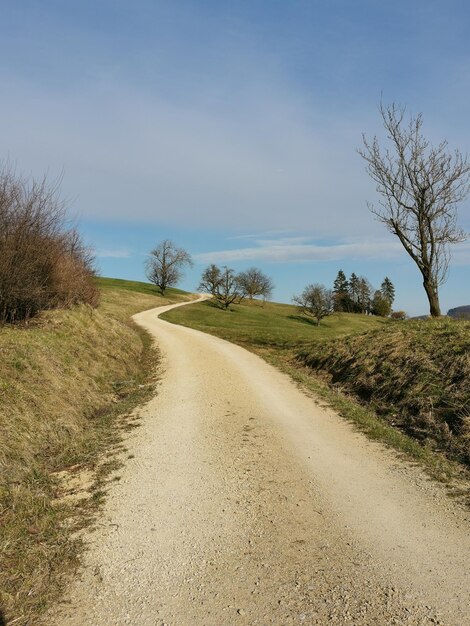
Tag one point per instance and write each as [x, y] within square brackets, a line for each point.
[269, 325]
[138, 287]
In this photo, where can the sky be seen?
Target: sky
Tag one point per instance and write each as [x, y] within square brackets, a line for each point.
[232, 128]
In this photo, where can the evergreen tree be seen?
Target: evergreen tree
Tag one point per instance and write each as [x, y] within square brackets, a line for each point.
[364, 295]
[354, 293]
[380, 305]
[388, 290]
[340, 292]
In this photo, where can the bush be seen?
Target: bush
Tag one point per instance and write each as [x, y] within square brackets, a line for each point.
[398, 315]
[43, 264]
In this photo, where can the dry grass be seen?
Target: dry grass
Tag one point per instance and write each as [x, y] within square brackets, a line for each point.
[65, 382]
[414, 374]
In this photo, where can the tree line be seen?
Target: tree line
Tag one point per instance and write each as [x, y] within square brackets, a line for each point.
[420, 186]
[357, 295]
[353, 295]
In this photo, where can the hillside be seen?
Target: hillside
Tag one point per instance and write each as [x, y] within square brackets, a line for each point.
[65, 379]
[460, 312]
[269, 325]
[415, 374]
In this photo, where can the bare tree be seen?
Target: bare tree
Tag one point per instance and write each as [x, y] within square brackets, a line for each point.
[253, 282]
[421, 186]
[210, 279]
[222, 284]
[164, 265]
[315, 301]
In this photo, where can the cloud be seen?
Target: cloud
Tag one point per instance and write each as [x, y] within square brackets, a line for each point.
[204, 128]
[296, 249]
[139, 156]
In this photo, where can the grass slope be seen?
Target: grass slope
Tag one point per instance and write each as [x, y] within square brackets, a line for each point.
[416, 374]
[268, 325]
[65, 379]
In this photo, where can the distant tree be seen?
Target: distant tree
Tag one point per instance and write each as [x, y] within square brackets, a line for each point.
[354, 293]
[420, 186]
[222, 284]
[380, 305]
[341, 292]
[210, 280]
[315, 301]
[165, 263]
[253, 283]
[388, 290]
[364, 295]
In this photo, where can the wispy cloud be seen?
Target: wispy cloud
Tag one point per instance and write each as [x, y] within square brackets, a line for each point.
[304, 249]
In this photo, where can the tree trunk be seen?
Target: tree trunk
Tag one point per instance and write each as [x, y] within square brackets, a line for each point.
[433, 297]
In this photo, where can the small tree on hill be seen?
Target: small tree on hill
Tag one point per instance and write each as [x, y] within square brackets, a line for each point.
[380, 305]
[315, 301]
[165, 263]
[254, 283]
[222, 284]
[210, 279]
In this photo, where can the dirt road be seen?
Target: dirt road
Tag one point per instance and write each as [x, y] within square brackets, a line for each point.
[247, 503]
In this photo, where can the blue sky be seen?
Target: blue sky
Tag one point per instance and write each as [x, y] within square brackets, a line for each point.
[232, 127]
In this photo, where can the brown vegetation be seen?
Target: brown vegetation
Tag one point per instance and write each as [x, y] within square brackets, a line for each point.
[43, 263]
[414, 373]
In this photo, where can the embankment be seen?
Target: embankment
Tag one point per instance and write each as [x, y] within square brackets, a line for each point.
[66, 380]
[415, 374]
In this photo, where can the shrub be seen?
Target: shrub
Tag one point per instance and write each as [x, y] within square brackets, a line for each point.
[43, 264]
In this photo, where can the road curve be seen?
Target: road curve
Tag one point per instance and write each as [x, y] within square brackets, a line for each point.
[246, 502]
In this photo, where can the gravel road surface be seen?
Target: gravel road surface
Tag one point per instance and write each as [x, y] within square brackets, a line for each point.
[247, 502]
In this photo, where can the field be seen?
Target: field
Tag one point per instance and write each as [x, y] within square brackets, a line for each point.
[66, 379]
[269, 325]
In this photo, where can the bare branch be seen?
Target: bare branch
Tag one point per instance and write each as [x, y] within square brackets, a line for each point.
[420, 187]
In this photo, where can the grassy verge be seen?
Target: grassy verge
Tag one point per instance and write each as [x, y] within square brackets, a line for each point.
[279, 335]
[414, 374]
[68, 382]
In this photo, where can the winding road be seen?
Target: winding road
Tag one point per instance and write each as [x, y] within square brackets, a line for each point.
[247, 502]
